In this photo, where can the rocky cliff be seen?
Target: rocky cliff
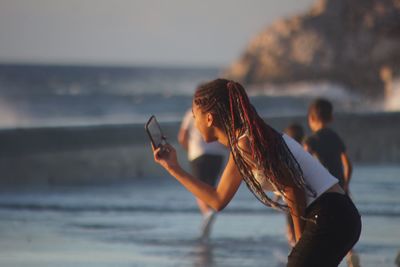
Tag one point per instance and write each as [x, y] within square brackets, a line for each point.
[355, 43]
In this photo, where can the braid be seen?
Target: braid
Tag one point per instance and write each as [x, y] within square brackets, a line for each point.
[229, 102]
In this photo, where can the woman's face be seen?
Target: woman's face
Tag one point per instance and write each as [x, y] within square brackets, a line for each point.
[203, 121]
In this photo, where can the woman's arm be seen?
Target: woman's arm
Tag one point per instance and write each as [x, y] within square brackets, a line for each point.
[296, 200]
[217, 198]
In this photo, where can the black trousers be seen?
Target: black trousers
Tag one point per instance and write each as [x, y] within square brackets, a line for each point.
[207, 168]
[335, 230]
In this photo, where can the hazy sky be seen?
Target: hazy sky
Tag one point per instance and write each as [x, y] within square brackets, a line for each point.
[135, 32]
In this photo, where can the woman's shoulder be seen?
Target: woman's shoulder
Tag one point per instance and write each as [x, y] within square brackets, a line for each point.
[243, 142]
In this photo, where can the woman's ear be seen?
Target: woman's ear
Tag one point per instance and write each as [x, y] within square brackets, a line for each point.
[210, 119]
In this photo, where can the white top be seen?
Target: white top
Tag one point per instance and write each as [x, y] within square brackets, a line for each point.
[315, 174]
[196, 145]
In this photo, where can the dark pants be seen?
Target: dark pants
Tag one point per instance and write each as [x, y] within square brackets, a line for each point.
[207, 168]
[325, 242]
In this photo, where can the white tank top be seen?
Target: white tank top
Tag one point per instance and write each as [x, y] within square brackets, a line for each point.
[315, 174]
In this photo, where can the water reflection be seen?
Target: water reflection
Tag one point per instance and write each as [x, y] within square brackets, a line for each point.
[203, 255]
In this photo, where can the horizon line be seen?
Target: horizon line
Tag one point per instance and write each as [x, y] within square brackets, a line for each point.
[111, 65]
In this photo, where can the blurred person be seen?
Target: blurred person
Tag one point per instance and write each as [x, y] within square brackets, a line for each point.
[295, 131]
[206, 160]
[327, 146]
[326, 222]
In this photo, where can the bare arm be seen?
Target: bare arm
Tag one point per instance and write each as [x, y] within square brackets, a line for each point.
[296, 200]
[347, 170]
[217, 198]
[183, 138]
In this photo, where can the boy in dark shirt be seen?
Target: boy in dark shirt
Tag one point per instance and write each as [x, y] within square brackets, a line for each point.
[328, 147]
[325, 144]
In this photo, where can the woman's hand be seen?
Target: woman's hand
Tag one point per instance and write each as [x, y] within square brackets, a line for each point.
[166, 157]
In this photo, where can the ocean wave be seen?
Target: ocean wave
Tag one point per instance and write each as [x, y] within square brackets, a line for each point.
[304, 89]
[34, 96]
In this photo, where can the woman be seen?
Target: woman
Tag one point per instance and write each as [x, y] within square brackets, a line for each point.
[326, 222]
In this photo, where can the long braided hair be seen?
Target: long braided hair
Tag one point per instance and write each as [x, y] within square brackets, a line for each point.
[229, 103]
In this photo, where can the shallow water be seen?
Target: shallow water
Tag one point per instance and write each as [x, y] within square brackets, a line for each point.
[156, 223]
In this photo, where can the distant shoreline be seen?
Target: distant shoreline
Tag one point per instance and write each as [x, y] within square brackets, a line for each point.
[107, 66]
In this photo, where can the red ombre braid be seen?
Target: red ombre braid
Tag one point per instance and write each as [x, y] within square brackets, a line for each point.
[231, 95]
[229, 102]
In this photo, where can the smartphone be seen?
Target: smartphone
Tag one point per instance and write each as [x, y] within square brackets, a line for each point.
[154, 132]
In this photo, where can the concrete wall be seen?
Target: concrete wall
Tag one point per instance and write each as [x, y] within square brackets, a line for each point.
[103, 154]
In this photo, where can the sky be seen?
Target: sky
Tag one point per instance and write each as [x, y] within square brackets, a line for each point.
[135, 32]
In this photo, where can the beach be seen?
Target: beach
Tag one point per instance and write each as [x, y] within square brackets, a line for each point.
[79, 186]
[155, 222]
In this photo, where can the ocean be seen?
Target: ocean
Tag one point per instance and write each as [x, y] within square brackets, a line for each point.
[35, 96]
[79, 187]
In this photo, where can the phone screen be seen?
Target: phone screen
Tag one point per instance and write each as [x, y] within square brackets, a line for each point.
[154, 131]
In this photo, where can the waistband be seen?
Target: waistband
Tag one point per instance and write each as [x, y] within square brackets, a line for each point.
[327, 198]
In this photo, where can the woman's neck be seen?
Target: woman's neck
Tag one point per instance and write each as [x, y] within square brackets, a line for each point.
[223, 139]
